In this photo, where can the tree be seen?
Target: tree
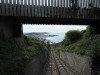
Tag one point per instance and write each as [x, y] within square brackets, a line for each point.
[74, 35]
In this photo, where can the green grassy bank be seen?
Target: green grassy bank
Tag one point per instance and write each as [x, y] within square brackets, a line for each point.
[14, 57]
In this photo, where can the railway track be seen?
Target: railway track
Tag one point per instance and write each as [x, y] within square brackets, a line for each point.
[56, 66]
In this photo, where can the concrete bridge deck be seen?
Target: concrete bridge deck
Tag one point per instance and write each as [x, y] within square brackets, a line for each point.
[57, 9]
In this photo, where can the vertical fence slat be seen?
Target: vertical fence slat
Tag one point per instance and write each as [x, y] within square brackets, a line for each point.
[64, 9]
[89, 16]
[18, 8]
[48, 8]
[29, 8]
[58, 9]
[2, 7]
[67, 12]
[45, 8]
[99, 7]
[70, 8]
[22, 10]
[78, 9]
[86, 10]
[51, 8]
[14, 7]
[25, 7]
[35, 8]
[96, 9]
[91, 9]
[55, 4]
[83, 8]
[61, 9]
[32, 8]
[11, 8]
[42, 8]
[6, 8]
[39, 8]
[81, 16]
[98, 3]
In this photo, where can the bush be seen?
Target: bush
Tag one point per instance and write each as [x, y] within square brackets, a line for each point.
[88, 32]
[35, 47]
[66, 42]
[74, 35]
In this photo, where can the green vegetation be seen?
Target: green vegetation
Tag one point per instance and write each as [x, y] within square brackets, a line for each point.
[81, 42]
[35, 47]
[14, 56]
[73, 35]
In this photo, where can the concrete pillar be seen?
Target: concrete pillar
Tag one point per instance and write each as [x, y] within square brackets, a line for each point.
[10, 28]
[17, 30]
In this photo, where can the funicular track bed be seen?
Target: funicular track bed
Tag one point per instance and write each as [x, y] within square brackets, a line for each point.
[57, 66]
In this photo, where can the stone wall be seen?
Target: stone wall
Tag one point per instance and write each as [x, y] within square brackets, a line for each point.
[80, 64]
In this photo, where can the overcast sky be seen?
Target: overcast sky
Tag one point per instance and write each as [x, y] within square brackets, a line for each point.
[52, 28]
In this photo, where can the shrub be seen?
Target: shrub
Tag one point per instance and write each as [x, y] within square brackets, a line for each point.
[74, 35]
[66, 42]
[88, 32]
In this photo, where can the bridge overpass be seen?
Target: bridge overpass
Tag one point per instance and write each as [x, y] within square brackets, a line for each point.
[14, 13]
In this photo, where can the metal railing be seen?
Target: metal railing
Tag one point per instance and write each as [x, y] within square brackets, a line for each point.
[81, 9]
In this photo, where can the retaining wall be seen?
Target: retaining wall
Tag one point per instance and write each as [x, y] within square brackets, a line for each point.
[80, 64]
[37, 65]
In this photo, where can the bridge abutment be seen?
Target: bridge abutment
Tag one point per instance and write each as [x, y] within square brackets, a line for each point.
[10, 28]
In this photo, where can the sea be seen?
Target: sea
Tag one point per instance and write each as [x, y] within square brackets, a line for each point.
[56, 39]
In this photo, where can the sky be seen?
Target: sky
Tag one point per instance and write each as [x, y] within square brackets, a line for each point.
[52, 28]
